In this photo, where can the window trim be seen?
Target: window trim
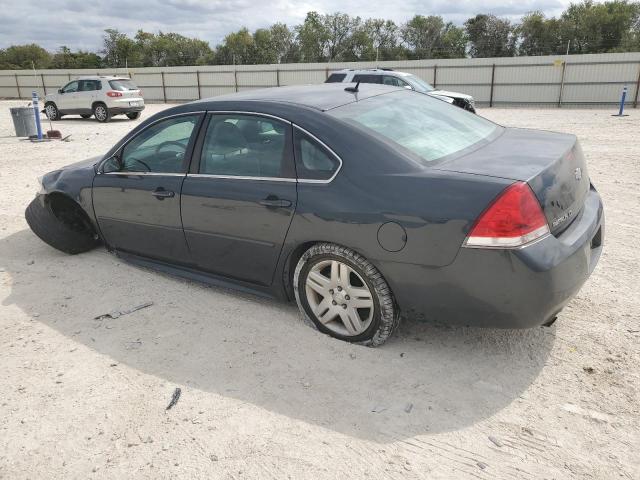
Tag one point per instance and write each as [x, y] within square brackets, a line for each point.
[329, 150]
[194, 168]
[190, 146]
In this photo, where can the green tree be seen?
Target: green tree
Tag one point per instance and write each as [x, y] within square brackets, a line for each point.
[119, 50]
[17, 57]
[313, 38]
[65, 58]
[490, 36]
[539, 35]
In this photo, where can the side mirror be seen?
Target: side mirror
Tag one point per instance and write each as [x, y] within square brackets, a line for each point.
[112, 164]
[60, 91]
[408, 87]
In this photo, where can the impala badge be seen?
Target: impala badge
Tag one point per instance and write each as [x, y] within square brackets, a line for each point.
[578, 173]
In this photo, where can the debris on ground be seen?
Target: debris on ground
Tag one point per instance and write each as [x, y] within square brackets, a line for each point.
[119, 313]
[174, 398]
[408, 407]
[588, 369]
[495, 441]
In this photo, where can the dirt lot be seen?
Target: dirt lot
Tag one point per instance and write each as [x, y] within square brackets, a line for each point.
[264, 396]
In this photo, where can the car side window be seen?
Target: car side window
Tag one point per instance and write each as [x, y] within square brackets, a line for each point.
[70, 87]
[160, 148]
[86, 85]
[336, 78]
[393, 81]
[246, 146]
[367, 78]
[313, 161]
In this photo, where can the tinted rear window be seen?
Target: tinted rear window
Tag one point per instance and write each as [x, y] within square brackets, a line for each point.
[367, 78]
[336, 78]
[122, 85]
[425, 126]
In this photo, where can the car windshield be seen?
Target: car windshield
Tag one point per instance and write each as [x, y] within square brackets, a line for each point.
[427, 127]
[122, 85]
[418, 84]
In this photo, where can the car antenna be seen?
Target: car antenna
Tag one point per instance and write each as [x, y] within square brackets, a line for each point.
[353, 89]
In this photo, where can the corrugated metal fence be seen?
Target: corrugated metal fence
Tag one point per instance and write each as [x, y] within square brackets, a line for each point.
[571, 80]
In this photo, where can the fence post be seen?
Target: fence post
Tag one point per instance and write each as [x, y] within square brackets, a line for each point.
[69, 76]
[235, 79]
[164, 88]
[635, 97]
[198, 80]
[17, 85]
[326, 73]
[564, 67]
[435, 75]
[278, 77]
[493, 76]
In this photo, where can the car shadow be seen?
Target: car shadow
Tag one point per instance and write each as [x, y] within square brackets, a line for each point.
[425, 379]
[65, 119]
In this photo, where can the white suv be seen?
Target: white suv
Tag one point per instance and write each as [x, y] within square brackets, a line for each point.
[387, 76]
[101, 97]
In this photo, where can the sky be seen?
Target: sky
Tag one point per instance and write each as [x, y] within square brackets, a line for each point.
[79, 24]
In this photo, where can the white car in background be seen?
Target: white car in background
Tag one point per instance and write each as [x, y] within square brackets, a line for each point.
[101, 97]
[387, 76]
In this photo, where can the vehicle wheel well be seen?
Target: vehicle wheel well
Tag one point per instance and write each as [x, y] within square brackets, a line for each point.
[69, 212]
[96, 103]
[292, 261]
[290, 267]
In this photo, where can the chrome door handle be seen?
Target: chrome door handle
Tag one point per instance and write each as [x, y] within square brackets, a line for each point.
[275, 202]
[161, 193]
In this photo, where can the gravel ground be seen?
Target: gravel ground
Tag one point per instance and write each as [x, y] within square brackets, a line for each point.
[264, 396]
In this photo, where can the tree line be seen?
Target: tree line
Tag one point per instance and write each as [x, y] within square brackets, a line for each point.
[586, 27]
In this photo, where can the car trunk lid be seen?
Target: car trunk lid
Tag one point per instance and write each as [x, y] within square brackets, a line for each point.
[551, 163]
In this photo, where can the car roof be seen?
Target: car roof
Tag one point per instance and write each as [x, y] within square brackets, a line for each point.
[101, 77]
[373, 71]
[323, 97]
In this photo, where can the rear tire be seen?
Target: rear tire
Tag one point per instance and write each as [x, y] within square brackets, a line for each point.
[52, 111]
[67, 236]
[133, 115]
[355, 304]
[85, 115]
[101, 113]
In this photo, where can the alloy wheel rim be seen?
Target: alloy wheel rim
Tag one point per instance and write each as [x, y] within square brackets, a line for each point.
[51, 112]
[339, 298]
[101, 114]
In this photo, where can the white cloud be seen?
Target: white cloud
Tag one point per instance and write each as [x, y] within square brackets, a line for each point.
[79, 24]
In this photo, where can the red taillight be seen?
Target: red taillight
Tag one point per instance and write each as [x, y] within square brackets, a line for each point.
[113, 94]
[513, 219]
[140, 93]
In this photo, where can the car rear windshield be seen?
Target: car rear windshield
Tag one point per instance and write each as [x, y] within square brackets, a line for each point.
[427, 127]
[122, 85]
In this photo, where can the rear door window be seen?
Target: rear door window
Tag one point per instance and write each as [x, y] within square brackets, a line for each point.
[367, 78]
[336, 78]
[241, 145]
[313, 161]
[87, 85]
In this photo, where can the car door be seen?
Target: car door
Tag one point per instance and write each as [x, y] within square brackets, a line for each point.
[86, 95]
[240, 195]
[67, 97]
[136, 195]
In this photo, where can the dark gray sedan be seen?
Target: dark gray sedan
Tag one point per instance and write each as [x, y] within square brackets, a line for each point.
[363, 204]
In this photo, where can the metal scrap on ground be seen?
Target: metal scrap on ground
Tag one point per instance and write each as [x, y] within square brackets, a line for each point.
[120, 313]
[174, 398]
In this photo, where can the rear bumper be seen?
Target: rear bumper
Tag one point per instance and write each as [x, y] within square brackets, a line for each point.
[123, 109]
[517, 288]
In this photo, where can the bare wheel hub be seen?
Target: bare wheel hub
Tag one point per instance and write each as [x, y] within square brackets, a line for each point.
[339, 297]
